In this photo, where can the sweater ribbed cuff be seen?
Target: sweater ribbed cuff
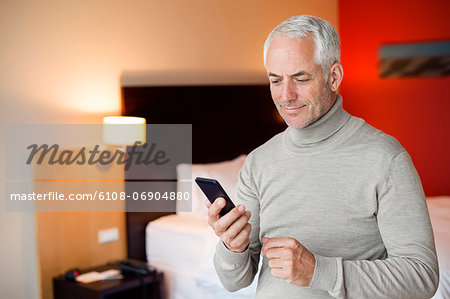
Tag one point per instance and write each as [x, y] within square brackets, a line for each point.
[327, 274]
[230, 257]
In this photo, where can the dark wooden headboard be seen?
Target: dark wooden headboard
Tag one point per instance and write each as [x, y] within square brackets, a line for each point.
[227, 120]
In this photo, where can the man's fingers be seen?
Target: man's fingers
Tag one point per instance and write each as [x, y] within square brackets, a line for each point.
[232, 228]
[276, 263]
[289, 260]
[207, 203]
[279, 252]
[227, 220]
[236, 228]
[241, 240]
[280, 263]
[279, 242]
[269, 243]
[215, 208]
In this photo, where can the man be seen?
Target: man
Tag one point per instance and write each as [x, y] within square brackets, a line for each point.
[334, 206]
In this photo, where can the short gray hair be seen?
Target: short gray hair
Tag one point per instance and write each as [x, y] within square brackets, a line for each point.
[325, 36]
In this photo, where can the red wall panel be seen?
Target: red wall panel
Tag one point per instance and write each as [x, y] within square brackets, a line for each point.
[416, 111]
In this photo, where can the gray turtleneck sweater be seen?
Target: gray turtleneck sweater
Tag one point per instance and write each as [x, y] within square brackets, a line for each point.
[351, 195]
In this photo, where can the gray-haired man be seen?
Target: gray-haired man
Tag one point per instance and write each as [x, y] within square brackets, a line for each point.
[334, 206]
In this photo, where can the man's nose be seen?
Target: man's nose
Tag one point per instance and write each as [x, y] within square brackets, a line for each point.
[288, 91]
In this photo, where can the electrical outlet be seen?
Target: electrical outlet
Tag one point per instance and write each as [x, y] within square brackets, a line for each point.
[108, 235]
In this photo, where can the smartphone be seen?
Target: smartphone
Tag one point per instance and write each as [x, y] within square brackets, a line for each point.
[212, 189]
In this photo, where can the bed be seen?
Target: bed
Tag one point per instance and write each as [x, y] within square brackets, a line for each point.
[223, 119]
[439, 209]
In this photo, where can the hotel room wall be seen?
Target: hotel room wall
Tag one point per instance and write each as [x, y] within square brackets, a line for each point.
[414, 110]
[60, 62]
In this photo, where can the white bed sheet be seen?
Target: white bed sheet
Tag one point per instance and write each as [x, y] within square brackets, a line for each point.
[439, 209]
[183, 247]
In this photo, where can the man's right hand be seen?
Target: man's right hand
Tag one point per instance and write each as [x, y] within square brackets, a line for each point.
[233, 228]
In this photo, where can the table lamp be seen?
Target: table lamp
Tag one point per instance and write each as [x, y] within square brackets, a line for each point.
[123, 130]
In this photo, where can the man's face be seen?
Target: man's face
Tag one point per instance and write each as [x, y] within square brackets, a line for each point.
[297, 82]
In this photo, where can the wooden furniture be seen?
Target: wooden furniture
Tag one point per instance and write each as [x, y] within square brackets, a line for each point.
[70, 239]
[226, 120]
[128, 287]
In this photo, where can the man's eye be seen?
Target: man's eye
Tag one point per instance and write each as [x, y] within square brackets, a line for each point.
[301, 80]
[274, 81]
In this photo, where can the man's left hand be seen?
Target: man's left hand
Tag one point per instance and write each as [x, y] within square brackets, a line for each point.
[289, 260]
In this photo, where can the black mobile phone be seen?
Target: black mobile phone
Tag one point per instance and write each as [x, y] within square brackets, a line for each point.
[212, 189]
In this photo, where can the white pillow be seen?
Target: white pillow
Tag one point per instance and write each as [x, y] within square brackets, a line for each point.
[225, 172]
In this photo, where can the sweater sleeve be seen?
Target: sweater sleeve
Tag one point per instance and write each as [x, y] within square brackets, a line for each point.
[410, 269]
[237, 270]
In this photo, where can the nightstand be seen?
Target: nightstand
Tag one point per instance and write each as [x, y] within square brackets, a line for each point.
[128, 287]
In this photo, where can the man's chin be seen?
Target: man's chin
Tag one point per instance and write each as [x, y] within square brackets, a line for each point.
[295, 123]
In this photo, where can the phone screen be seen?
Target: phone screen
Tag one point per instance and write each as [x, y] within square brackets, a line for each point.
[212, 189]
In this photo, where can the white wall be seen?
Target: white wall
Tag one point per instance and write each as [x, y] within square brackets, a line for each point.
[61, 61]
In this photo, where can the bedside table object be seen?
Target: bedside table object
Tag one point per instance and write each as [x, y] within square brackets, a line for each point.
[135, 267]
[72, 274]
[147, 286]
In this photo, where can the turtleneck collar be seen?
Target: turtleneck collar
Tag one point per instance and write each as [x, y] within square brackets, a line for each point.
[319, 130]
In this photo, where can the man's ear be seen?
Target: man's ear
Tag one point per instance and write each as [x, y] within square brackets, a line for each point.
[335, 76]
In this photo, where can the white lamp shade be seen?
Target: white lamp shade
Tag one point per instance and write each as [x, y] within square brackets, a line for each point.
[123, 130]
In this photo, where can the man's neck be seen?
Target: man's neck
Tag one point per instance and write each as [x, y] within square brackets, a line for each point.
[321, 129]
